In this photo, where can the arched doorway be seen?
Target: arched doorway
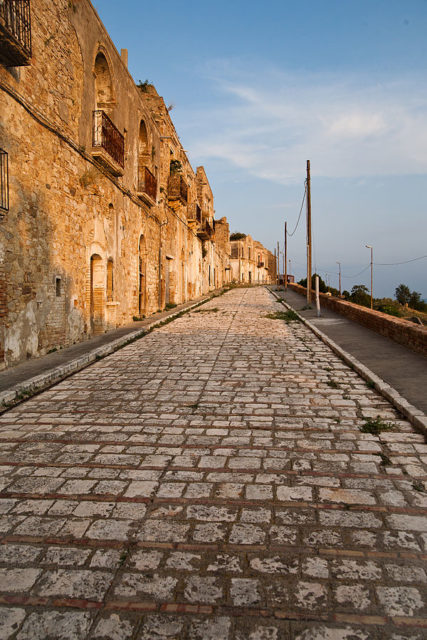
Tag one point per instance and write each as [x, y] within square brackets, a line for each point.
[141, 276]
[97, 294]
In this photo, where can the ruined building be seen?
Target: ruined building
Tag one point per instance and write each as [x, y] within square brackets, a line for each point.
[102, 217]
[250, 262]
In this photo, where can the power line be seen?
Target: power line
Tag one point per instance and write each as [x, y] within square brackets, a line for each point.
[300, 212]
[357, 274]
[390, 264]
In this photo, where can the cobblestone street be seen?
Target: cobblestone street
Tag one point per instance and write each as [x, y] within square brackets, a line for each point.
[211, 481]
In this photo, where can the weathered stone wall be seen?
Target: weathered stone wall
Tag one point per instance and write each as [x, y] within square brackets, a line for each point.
[82, 250]
[401, 331]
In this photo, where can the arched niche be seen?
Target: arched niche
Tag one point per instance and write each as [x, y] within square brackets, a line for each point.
[143, 150]
[104, 97]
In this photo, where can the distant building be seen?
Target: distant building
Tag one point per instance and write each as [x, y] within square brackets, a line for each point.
[250, 262]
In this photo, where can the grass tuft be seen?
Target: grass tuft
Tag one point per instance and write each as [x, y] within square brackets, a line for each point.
[287, 316]
[375, 427]
[333, 384]
[385, 460]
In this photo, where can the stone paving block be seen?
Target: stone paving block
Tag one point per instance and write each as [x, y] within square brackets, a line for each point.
[18, 580]
[166, 627]
[71, 583]
[138, 585]
[217, 628]
[114, 627]
[10, 620]
[400, 601]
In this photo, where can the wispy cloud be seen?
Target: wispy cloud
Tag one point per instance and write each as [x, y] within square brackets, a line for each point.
[269, 123]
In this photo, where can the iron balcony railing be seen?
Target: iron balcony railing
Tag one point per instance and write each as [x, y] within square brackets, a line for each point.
[15, 32]
[177, 188]
[147, 182]
[107, 136]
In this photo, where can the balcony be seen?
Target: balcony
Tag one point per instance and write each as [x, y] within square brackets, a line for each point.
[177, 188]
[147, 186]
[15, 33]
[206, 231]
[108, 143]
[194, 213]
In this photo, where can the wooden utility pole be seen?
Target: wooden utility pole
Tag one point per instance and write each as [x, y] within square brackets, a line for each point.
[275, 262]
[285, 256]
[283, 260]
[308, 234]
[278, 263]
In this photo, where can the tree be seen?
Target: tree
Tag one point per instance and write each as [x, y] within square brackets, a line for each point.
[360, 295]
[387, 305]
[403, 294]
[237, 236]
[415, 301]
[322, 284]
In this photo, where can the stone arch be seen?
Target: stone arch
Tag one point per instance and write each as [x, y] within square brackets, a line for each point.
[142, 279]
[104, 91]
[97, 294]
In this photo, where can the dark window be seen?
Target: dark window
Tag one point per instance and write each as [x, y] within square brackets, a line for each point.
[58, 286]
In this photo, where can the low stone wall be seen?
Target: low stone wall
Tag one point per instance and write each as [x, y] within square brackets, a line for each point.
[401, 331]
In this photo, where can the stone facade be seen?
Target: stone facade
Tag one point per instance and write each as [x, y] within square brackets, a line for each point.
[251, 263]
[107, 220]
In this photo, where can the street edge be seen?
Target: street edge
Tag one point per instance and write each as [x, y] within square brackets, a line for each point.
[25, 390]
[415, 416]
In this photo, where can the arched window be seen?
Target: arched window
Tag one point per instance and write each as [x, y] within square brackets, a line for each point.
[108, 142]
[147, 182]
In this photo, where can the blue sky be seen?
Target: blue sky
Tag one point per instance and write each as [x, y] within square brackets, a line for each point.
[259, 88]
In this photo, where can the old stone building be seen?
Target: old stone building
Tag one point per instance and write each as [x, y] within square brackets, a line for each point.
[250, 262]
[102, 217]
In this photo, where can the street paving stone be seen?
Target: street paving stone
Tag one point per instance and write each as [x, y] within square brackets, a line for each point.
[211, 481]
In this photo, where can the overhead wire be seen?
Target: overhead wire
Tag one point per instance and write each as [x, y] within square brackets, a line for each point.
[300, 212]
[391, 264]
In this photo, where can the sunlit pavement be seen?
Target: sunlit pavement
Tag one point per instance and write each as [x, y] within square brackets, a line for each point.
[211, 481]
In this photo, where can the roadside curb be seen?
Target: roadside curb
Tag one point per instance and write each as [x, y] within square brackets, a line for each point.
[25, 390]
[415, 416]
